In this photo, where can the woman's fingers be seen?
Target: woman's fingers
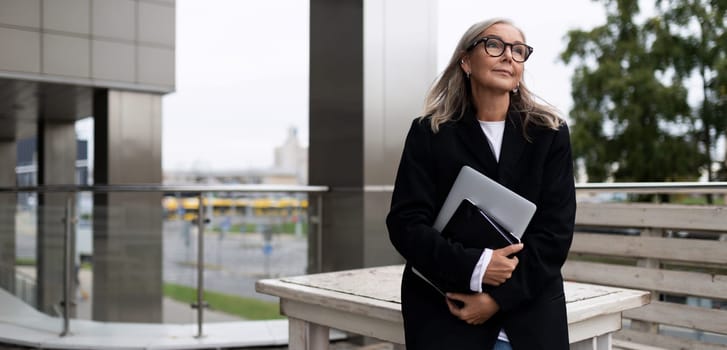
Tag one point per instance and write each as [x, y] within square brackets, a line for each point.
[453, 309]
[477, 308]
[457, 296]
[509, 250]
[501, 265]
[465, 313]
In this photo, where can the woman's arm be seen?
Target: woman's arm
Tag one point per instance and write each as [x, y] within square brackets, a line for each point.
[413, 210]
[549, 235]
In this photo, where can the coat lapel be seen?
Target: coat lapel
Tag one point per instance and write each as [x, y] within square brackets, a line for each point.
[476, 142]
[513, 145]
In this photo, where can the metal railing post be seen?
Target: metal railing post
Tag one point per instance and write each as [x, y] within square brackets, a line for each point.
[319, 233]
[200, 264]
[67, 264]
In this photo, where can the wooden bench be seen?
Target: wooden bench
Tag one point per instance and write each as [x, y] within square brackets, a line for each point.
[655, 256]
[367, 302]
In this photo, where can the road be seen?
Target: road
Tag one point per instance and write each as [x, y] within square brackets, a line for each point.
[233, 261]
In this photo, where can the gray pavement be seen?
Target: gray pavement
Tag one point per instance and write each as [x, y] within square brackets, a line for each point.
[174, 312]
[233, 261]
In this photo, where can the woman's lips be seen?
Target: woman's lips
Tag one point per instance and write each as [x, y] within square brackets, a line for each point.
[502, 71]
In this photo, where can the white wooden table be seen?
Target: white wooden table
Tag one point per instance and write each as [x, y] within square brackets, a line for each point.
[367, 302]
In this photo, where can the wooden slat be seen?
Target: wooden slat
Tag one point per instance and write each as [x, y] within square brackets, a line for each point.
[677, 282]
[619, 344]
[665, 341]
[692, 250]
[686, 316]
[687, 217]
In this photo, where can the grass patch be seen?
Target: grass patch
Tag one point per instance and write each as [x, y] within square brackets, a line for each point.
[237, 228]
[699, 200]
[286, 227]
[703, 268]
[212, 267]
[289, 227]
[247, 308]
[24, 262]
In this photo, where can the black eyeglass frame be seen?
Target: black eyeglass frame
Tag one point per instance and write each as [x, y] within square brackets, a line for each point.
[505, 45]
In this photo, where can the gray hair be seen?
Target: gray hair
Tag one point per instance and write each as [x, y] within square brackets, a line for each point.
[450, 96]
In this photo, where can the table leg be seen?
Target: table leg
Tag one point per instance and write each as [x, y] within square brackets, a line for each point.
[601, 342]
[303, 335]
[585, 344]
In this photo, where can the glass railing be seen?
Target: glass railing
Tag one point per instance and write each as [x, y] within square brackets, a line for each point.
[157, 253]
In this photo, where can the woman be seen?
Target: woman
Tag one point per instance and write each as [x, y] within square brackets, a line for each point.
[480, 113]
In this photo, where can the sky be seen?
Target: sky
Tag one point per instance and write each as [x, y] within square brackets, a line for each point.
[242, 71]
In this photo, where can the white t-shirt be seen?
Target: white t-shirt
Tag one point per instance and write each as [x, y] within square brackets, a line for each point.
[494, 132]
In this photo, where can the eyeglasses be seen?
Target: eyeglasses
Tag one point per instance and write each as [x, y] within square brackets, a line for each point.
[495, 47]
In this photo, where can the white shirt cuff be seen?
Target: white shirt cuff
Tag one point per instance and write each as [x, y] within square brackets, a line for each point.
[479, 272]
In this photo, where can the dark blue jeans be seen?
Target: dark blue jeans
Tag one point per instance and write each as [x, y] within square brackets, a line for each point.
[502, 345]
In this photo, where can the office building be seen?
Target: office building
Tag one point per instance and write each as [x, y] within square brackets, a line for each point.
[62, 61]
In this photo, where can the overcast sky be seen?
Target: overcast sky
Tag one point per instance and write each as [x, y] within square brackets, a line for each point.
[238, 60]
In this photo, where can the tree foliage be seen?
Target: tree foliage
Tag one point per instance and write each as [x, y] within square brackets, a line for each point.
[692, 37]
[632, 120]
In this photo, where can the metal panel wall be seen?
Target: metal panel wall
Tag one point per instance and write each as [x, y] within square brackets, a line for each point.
[56, 166]
[8, 154]
[77, 42]
[127, 241]
[400, 64]
[371, 62]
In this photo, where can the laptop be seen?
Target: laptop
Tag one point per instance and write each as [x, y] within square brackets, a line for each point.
[496, 206]
[473, 228]
[507, 208]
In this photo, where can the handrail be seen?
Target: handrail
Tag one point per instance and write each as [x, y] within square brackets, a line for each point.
[627, 187]
[165, 188]
[630, 187]
[654, 187]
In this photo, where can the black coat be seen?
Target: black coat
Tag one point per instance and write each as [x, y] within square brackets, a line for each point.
[532, 303]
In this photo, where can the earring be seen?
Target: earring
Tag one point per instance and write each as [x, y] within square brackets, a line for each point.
[516, 89]
[468, 75]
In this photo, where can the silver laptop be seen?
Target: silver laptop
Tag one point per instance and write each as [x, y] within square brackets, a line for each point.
[509, 209]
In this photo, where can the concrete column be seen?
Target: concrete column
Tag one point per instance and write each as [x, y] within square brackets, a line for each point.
[56, 166]
[371, 63]
[8, 155]
[127, 241]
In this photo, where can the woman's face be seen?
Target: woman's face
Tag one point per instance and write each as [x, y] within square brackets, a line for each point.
[500, 74]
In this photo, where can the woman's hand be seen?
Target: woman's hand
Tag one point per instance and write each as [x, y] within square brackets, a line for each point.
[477, 308]
[501, 267]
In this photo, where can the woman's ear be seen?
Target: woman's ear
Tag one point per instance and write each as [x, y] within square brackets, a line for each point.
[464, 63]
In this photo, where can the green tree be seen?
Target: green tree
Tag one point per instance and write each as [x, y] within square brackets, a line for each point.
[690, 37]
[631, 119]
